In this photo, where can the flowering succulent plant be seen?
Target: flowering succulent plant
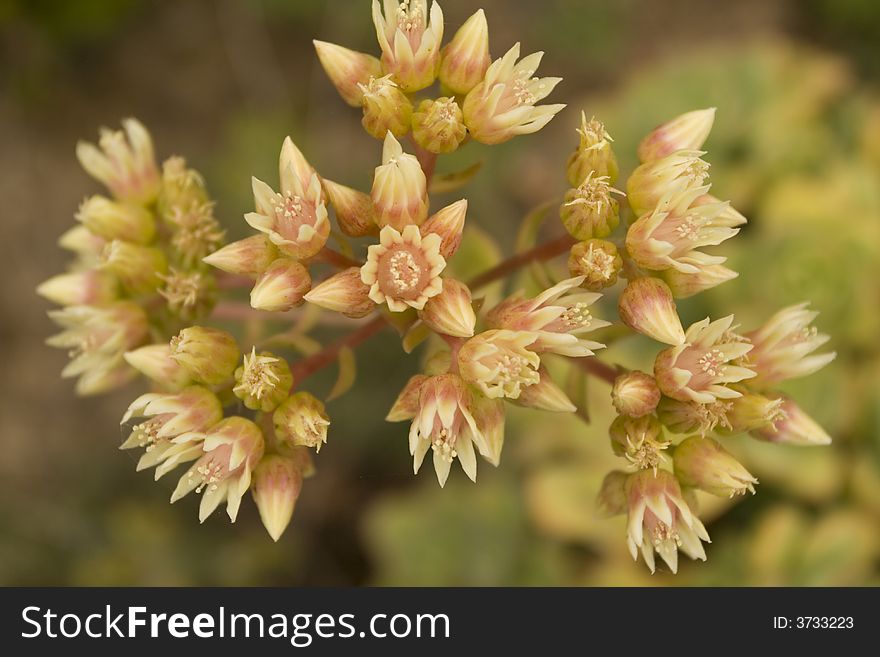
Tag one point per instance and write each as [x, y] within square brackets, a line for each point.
[141, 297]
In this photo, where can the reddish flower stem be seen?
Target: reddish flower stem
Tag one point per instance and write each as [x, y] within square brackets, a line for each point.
[304, 368]
[539, 253]
[597, 368]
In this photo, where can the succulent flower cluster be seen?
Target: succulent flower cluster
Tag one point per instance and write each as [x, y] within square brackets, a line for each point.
[140, 295]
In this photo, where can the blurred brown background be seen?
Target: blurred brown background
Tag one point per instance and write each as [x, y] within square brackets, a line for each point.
[796, 147]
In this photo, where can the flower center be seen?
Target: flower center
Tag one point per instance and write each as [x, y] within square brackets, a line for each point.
[593, 133]
[712, 362]
[258, 379]
[645, 452]
[211, 469]
[576, 316]
[689, 228]
[181, 290]
[292, 214]
[147, 433]
[403, 272]
[696, 171]
[598, 263]
[663, 533]
[711, 415]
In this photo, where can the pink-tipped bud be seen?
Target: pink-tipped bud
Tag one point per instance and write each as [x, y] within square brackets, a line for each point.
[183, 189]
[407, 403]
[347, 69]
[593, 156]
[448, 223]
[545, 395]
[438, 126]
[276, 487]
[354, 210]
[117, 221]
[154, 362]
[82, 242]
[345, 293]
[598, 261]
[590, 210]
[687, 132]
[684, 285]
[248, 257]
[400, 189]
[646, 306]
[451, 312]
[262, 381]
[302, 421]
[138, 268]
[464, 60]
[703, 463]
[124, 162]
[611, 499]
[281, 287]
[386, 108]
[635, 394]
[795, 428]
[208, 355]
[88, 287]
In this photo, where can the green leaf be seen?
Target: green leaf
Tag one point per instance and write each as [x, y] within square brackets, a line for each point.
[449, 182]
[347, 374]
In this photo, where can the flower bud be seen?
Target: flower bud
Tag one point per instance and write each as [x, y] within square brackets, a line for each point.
[646, 306]
[138, 268]
[545, 395]
[209, 355]
[687, 132]
[464, 60]
[301, 420]
[406, 406]
[639, 441]
[589, 210]
[611, 499]
[354, 210]
[635, 394]
[593, 156]
[386, 108]
[154, 362]
[276, 487]
[597, 261]
[684, 285]
[703, 463]
[400, 190]
[502, 105]
[123, 162]
[88, 287]
[410, 41]
[753, 411]
[281, 287]
[82, 242]
[448, 223]
[665, 178]
[345, 293]
[117, 221]
[262, 381]
[182, 188]
[438, 126]
[451, 312]
[347, 69]
[248, 257]
[795, 428]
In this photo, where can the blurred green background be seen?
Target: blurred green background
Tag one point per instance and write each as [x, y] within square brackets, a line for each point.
[796, 146]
